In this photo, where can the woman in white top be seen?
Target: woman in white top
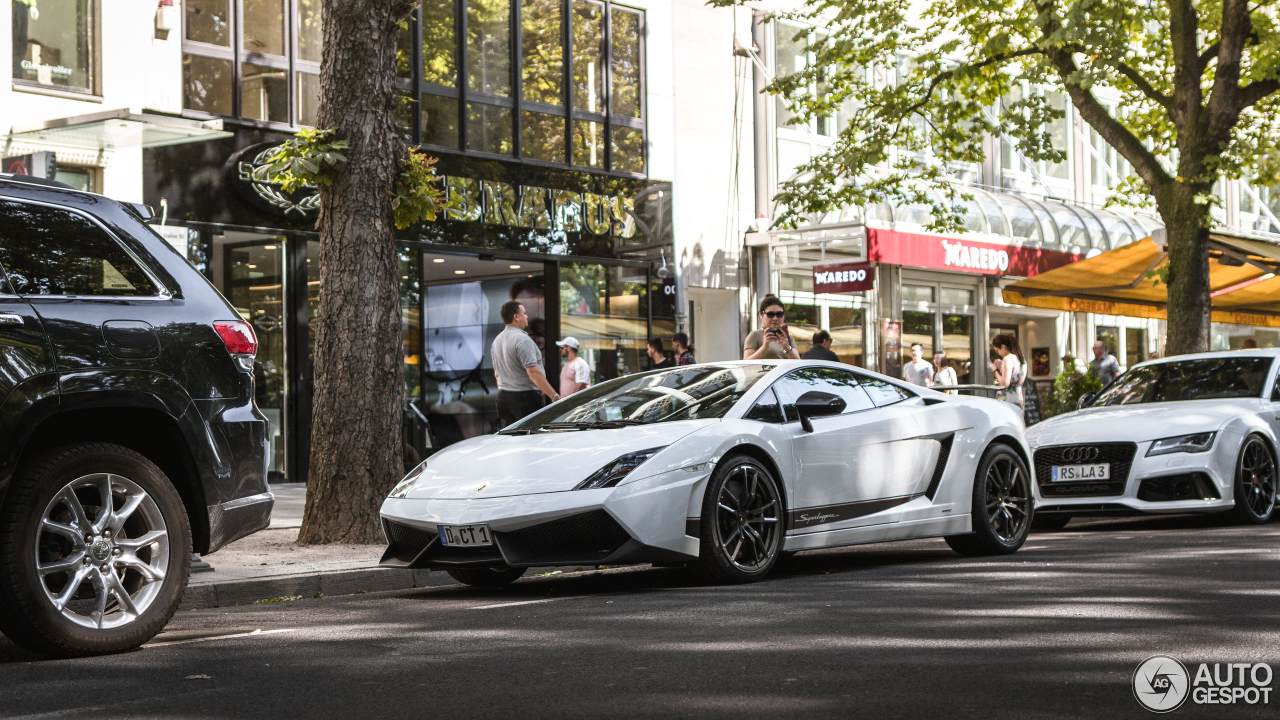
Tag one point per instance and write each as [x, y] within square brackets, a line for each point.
[1009, 369]
[944, 374]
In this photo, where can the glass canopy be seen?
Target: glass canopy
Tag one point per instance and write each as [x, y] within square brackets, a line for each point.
[1020, 219]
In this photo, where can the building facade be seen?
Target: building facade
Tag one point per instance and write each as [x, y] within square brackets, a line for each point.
[564, 135]
[944, 291]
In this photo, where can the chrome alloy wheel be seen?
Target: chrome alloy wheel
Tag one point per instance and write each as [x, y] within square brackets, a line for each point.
[747, 512]
[101, 551]
[1257, 478]
[1008, 498]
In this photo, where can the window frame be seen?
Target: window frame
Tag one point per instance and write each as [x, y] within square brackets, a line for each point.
[238, 56]
[162, 291]
[94, 90]
[861, 378]
[416, 87]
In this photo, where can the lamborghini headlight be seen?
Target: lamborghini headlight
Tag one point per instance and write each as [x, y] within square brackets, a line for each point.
[1197, 443]
[403, 487]
[614, 472]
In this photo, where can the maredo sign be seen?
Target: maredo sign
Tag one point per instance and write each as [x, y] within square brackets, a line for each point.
[848, 277]
[937, 253]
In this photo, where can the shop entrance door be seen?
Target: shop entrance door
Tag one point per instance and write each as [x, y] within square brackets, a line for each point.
[462, 298]
[249, 270]
[941, 316]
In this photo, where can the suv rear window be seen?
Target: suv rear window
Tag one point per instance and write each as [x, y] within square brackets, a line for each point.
[52, 251]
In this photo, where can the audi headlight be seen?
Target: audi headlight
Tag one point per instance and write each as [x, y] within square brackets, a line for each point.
[403, 487]
[612, 474]
[1197, 443]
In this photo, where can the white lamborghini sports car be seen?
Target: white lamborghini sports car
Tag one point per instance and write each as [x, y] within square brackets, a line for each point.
[726, 466]
[1190, 433]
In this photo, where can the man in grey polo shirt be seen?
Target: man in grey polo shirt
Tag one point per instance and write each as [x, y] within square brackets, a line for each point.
[517, 363]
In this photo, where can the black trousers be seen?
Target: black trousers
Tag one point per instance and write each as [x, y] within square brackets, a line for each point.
[514, 405]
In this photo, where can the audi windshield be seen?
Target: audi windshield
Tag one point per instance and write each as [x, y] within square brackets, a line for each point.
[1199, 379]
[683, 393]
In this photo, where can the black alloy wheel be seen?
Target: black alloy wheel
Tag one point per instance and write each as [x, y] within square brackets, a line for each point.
[742, 522]
[1255, 486]
[486, 577]
[1002, 505]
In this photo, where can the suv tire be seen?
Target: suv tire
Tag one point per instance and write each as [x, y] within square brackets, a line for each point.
[127, 590]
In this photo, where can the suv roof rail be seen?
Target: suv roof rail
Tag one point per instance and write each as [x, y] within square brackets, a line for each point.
[33, 180]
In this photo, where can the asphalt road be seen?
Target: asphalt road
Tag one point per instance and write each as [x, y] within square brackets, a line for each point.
[903, 629]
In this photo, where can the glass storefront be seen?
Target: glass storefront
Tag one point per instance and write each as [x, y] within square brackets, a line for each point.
[564, 242]
[941, 317]
[54, 43]
[450, 306]
[249, 270]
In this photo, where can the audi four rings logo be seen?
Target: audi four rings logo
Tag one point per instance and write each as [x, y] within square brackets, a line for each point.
[1080, 454]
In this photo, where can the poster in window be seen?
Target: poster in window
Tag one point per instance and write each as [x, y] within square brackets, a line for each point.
[891, 340]
[1039, 361]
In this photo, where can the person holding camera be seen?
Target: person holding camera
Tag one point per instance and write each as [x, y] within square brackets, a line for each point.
[771, 341]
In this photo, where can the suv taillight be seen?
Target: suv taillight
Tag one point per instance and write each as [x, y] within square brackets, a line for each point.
[238, 336]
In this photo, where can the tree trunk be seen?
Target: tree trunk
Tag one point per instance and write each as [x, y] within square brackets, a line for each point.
[356, 454]
[1187, 225]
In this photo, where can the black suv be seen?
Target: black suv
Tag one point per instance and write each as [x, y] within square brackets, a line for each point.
[128, 433]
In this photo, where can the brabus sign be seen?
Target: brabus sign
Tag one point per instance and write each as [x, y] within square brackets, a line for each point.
[848, 277]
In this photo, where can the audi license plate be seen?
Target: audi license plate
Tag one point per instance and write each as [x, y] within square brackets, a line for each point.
[465, 535]
[1069, 473]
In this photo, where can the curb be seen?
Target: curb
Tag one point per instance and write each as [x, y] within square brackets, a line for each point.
[342, 582]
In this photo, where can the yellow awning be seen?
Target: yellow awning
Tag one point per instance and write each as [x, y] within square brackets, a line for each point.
[1242, 280]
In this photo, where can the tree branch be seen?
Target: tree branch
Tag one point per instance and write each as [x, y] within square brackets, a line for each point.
[1209, 53]
[1143, 84]
[1224, 100]
[1254, 92]
[948, 74]
[1112, 131]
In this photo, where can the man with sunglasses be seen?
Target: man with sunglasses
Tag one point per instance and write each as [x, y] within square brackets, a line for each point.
[771, 341]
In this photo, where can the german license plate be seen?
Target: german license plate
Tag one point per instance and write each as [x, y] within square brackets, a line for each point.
[465, 535]
[1070, 473]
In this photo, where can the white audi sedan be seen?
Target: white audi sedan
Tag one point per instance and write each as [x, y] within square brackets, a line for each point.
[727, 466]
[1190, 433]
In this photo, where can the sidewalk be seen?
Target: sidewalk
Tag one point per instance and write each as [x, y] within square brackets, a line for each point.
[269, 565]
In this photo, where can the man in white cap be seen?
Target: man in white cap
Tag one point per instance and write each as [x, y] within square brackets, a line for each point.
[576, 374]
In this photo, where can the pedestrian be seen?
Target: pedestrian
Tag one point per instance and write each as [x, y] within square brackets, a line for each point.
[772, 341]
[517, 364]
[576, 373]
[1104, 364]
[1010, 369]
[1155, 355]
[919, 371]
[944, 374]
[821, 349]
[658, 359]
[1249, 344]
[684, 351]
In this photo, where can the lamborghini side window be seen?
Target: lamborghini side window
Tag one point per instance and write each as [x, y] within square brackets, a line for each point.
[766, 409]
[883, 393]
[841, 383]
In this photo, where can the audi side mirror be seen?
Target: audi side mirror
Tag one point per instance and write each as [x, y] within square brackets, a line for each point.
[1086, 400]
[816, 403]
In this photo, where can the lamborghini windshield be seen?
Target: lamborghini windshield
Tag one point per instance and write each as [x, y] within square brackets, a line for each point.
[1199, 379]
[682, 393]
